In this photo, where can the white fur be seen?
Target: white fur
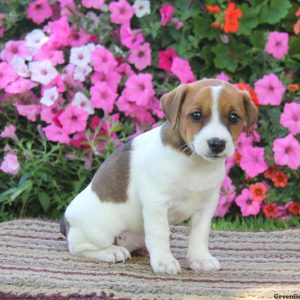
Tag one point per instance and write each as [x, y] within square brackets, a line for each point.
[214, 129]
[166, 187]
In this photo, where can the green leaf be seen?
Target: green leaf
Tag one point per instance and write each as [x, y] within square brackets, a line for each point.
[248, 20]
[202, 28]
[273, 11]
[294, 47]
[228, 56]
[44, 200]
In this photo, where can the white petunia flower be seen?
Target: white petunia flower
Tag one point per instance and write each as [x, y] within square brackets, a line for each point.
[142, 8]
[36, 39]
[81, 101]
[50, 96]
[81, 73]
[81, 56]
[42, 71]
[20, 67]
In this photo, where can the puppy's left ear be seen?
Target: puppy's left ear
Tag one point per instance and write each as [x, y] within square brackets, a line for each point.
[172, 102]
[251, 111]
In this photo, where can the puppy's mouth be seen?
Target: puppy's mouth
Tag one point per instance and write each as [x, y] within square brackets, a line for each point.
[214, 156]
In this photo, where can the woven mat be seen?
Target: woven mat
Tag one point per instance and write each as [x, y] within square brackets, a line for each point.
[35, 263]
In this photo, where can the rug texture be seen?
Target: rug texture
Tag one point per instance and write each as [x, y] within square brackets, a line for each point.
[35, 264]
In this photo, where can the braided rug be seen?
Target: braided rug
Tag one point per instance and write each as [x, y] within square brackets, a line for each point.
[35, 264]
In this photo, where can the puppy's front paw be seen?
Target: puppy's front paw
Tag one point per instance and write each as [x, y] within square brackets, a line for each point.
[204, 263]
[165, 264]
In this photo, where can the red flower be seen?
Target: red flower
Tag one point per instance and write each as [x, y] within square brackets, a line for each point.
[232, 15]
[293, 208]
[236, 157]
[258, 191]
[270, 210]
[247, 87]
[270, 173]
[279, 179]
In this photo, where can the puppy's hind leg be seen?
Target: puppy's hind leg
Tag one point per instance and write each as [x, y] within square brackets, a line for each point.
[104, 251]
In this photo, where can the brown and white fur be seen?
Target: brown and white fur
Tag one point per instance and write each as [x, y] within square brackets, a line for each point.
[164, 176]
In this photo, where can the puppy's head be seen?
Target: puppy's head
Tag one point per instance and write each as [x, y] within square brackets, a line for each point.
[209, 116]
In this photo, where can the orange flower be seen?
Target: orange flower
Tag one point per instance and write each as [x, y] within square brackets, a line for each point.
[232, 15]
[297, 27]
[279, 179]
[293, 87]
[236, 157]
[216, 24]
[258, 191]
[293, 208]
[270, 210]
[213, 9]
[297, 14]
[247, 87]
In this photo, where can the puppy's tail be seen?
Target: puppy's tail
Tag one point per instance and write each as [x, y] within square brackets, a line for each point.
[62, 226]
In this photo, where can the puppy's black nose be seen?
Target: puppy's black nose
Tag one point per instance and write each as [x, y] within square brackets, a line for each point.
[216, 145]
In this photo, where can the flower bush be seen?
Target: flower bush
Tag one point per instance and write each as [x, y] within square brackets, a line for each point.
[79, 77]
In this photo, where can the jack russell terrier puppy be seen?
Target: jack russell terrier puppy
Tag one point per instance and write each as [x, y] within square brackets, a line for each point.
[161, 177]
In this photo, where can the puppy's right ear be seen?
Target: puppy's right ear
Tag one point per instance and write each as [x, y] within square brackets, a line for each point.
[172, 103]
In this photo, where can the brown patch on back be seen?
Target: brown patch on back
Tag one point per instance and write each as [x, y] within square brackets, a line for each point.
[64, 226]
[111, 180]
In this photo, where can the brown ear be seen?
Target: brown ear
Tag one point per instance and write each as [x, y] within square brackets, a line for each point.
[251, 111]
[172, 102]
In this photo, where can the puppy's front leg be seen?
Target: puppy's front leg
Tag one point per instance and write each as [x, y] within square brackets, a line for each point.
[157, 239]
[198, 255]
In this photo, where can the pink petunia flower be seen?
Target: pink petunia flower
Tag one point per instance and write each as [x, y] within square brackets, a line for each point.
[103, 60]
[277, 44]
[103, 97]
[121, 12]
[139, 89]
[269, 90]
[9, 132]
[140, 56]
[165, 59]
[73, 119]
[124, 70]
[79, 37]
[20, 86]
[59, 33]
[111, 78]
[253, 160]
[131, 38]
[30, 111]
[55, 133]
[290, 118]
[182, 69]
[222, 76]
[46, 52]
[13, 48]
[226, 197]
[248, 206]
[7, 74]
[10, 164]
[92, 3]
[166, 13]
[49, 112]
[39, 11]
[42, 71]
[286, 152]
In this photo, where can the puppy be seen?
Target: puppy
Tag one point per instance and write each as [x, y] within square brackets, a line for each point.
[164, 176]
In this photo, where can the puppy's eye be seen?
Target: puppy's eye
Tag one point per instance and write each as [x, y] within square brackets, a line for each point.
[196, 116]
[233, 118]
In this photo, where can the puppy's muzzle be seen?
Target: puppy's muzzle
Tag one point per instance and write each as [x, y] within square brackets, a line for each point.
[216, 145]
